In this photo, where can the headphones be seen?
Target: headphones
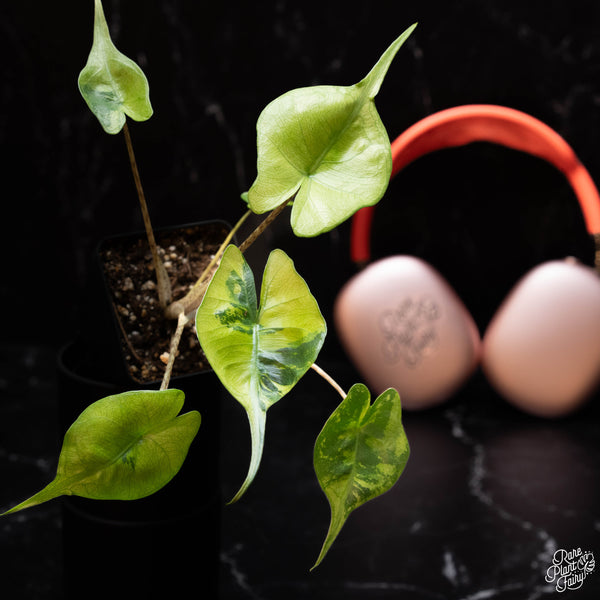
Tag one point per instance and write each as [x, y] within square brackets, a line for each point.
[403, 326]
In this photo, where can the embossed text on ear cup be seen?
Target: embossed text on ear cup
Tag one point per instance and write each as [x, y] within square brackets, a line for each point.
[404, 327]
[542, 348]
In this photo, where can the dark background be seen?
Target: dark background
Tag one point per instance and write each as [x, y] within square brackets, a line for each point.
[482, 215]
[212, 68]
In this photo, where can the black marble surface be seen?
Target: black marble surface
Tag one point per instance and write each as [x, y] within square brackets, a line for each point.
[489, 493]
[487, 498]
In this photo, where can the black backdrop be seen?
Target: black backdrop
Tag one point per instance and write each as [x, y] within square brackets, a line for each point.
[482, 214]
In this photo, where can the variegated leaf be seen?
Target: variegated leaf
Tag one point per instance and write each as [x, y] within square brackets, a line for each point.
[360, 454]
[259, 352]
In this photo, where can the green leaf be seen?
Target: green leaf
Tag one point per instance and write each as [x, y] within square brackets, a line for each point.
[327, 146]
[259, 352]
[122, 447]
[360, 454]
[112, 84]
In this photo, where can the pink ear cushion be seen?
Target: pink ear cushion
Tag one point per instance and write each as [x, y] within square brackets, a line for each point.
[404, 327]
[542, 348]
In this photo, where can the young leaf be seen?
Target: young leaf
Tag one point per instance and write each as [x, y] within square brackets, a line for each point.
[327, 146]
[259, 352]
[360, 454]
[122, 447]
[112, 84]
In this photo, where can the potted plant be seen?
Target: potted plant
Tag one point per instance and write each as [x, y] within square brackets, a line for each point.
[322, 154]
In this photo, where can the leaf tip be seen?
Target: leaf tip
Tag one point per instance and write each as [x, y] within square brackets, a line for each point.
[377, 74]
[249, 479]
[234, 499]
[318, 562]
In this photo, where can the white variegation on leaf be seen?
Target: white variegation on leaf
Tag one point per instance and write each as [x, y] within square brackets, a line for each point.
[259, 351]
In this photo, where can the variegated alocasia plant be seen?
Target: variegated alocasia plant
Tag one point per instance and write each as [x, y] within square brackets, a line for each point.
[324, 151]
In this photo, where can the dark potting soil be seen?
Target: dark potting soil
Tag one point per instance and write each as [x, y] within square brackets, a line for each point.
[129, 272]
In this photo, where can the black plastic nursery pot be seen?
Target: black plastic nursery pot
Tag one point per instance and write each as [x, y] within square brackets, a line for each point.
[167, 543]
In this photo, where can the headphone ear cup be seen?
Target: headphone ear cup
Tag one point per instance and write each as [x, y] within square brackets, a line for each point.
[404, 327]
[541, 350]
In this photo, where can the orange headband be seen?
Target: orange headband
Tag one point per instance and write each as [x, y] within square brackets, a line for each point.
[484, 123]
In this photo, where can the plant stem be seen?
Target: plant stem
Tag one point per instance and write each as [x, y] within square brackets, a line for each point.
[329, 380]
[182, 321]
[219, 253]
[162, 279]
[263, 225]
[193, 298]
[183, 307]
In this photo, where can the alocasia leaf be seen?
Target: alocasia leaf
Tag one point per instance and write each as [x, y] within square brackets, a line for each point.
[360, 454]
[259, 352]
[111, 83]
[327, 147]
[122, 447]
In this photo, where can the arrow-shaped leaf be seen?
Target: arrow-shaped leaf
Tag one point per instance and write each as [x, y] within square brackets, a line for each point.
[122, 447]
[259, 352]
[327, 146]
[360, 454]
[112, 84]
